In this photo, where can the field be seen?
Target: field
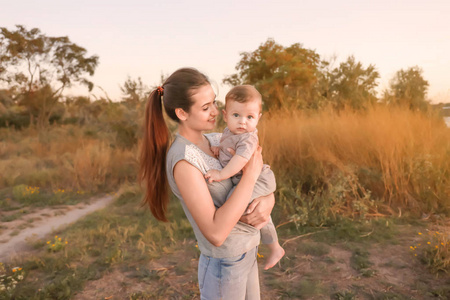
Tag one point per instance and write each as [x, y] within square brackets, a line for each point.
[362, 211]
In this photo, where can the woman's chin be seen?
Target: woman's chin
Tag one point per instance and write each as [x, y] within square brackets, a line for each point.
[211, 125]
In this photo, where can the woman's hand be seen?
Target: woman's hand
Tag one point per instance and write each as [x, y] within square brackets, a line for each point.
[258, 212]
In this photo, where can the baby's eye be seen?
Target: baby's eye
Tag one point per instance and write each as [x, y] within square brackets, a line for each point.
[250, 117]
[235, 115]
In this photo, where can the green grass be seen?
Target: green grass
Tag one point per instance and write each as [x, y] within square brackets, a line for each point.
[122, 235]
[125, 238]
[10, 218]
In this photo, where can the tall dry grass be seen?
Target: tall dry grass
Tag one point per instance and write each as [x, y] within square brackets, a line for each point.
[380, 161]
[64, 157]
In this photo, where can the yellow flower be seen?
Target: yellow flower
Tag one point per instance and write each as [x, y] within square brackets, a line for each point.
[48, 242]
[20, 269]
[437, 232]
[59, 239]
[56, 236]
[53, 245]
[420, 233]
[66, 242]
[436, 246]
[428, 243]
[14, 270]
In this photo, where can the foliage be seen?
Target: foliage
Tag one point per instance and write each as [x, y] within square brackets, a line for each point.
[283, 75]
[349, 85]
[25, 194]
[134, 90]
[408, 88]
[37, 68]
[57, 244]
[9, 278]
[433, 249]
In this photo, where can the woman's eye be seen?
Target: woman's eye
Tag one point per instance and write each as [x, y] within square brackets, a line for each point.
[205, 108]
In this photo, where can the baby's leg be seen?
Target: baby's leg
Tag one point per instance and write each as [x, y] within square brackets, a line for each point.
[269, 237]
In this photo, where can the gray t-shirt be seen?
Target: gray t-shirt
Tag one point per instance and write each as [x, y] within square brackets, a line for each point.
[242, 237]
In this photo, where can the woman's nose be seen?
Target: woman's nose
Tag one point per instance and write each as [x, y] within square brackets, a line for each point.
[215, 111]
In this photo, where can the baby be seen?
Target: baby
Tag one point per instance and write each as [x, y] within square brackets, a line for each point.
[242, 112]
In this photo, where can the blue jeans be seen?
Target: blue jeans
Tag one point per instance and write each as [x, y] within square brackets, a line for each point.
[231, 278]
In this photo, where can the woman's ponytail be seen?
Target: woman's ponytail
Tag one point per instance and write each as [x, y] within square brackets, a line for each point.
[153, 157]
[176, 93]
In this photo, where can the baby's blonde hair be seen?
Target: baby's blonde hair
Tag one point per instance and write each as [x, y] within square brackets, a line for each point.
[242, 94]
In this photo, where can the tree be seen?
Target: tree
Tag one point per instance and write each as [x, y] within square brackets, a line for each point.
[409, 88]
[285, 76]
[350, 84]
[37, 68]
[134, 91]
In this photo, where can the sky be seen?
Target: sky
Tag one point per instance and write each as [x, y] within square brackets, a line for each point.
[148, 38]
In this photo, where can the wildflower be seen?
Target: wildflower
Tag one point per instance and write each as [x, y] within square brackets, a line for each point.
[260, 255]
[428, 243]
[48, 242]
[66, 243]
[53, 245]
[59, 239]
[436, 246]
[420, 233]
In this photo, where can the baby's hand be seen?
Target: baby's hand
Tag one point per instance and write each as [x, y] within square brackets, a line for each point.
[215, 150]
[213, 175]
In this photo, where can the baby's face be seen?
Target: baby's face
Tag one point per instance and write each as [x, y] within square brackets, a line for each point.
[242, 117]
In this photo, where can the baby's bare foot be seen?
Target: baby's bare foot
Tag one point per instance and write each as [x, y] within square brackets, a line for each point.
[276, 253]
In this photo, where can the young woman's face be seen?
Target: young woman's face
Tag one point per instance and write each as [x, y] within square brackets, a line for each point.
[203, 112]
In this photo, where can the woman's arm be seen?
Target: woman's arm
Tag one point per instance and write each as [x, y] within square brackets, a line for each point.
[216, 224]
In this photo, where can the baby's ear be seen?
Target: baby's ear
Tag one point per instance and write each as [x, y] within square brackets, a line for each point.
[224, 113]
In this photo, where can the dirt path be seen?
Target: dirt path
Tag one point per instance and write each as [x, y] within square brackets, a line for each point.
[45, 221]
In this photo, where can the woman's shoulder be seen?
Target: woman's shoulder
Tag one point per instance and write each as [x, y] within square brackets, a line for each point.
[214, 138]
[182, 149]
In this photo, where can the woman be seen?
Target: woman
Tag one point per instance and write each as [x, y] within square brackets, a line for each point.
[227, 264]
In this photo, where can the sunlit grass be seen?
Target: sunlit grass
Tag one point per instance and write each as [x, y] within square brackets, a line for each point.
[64, 158]
[384, 161]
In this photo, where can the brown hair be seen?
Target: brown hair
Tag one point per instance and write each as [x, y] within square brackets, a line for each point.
[243, 93]
[177, 92]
